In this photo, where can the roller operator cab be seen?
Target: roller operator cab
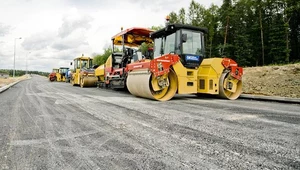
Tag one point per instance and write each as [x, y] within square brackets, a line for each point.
[179, 66]
[84, 73]
[186, 42]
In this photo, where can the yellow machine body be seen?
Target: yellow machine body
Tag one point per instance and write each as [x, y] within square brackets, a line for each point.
[100, 72]
[208, 75]
[209, 78]
[83, 75]
[108, 63]
[58, 77]
[186, 79]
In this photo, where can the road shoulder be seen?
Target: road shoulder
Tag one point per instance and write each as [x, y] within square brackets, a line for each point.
[271, 98]
[4, 88]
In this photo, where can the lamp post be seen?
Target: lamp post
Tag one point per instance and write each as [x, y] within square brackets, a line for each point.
[15, 57]
[26, 61]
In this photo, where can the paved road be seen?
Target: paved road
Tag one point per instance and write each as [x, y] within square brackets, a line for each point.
[48, 125]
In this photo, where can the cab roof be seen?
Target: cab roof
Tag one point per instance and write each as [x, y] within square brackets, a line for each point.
[171, 28]
[134, 36]
[83, 58]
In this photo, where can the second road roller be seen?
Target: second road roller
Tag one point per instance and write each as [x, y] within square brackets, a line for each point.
[84, 72]
[179, 66]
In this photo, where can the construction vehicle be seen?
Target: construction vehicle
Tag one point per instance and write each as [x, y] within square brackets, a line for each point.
[62, 74]
[58, 74]
[179, 66]
[113, 73]
[84, 72]
[52, 76]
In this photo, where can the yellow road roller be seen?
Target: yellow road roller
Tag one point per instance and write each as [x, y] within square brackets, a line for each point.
[179, 66]
[84, 73]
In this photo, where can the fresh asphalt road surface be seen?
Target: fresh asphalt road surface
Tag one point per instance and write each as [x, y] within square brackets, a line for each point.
[53, 125]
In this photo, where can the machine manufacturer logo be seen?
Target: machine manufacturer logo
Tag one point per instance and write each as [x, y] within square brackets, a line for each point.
[192, 58]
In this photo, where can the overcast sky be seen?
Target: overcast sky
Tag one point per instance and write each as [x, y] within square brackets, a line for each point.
[56, 31]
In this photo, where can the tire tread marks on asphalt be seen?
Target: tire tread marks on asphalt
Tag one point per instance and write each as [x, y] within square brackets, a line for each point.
[65, 127]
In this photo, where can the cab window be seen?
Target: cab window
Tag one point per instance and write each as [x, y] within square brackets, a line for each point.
[193, 44]
[84, 64]
[169, 46]
[157, 47]
[90, 63]
[76, 64]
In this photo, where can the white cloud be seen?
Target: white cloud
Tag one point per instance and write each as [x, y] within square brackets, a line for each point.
[4, 29]
[39, 41]
[74, 21]
[57, 31]
[71, 42]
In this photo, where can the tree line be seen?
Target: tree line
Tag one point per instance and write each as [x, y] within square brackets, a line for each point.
[23, 72]
[99, 59]
[253, 32]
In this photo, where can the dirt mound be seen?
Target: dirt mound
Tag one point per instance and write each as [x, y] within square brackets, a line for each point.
[281, 81]
[6, 81]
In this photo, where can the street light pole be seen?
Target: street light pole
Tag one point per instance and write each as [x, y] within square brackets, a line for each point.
[26, 62]
[15, 57]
